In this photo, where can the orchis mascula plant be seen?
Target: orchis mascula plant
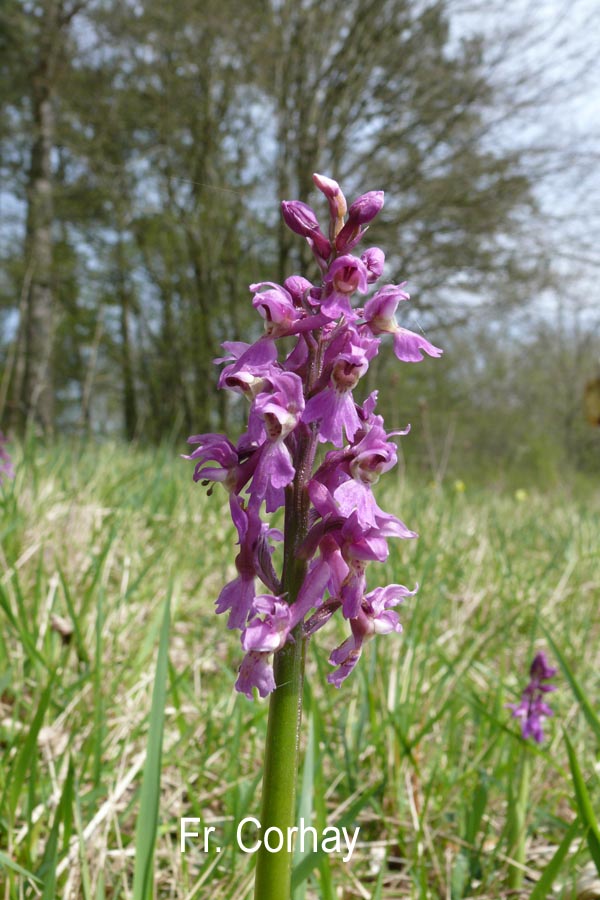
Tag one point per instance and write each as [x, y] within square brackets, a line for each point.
[532, 710]
[333, 527]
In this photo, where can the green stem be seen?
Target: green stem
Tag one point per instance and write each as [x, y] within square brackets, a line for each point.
[274, 870]
[517, 821]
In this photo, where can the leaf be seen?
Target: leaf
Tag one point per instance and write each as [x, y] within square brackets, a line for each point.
[47, 869]
[584, 805]
[25, 756]
[544, 885]
[147, 822]
[310, 862]
[7, 863]
[584, 703]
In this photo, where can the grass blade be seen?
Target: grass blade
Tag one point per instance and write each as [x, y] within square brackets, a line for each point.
[147, 822]
[27, 752]
[7, 863]
[47, 870]
[583, 701]
[584, 805]
[306, 795]
[544, 886]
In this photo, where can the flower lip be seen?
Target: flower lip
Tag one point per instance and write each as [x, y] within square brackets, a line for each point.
[348, 274]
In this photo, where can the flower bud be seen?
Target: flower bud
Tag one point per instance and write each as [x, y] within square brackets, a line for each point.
[301, 219]
[362, 211]
[337, 202]
[365, 208]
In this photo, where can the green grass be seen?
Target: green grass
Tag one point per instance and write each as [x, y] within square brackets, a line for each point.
[417, 747]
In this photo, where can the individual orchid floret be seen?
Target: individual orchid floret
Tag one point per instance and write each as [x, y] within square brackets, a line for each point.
[375, 616]
[268, 629]
[375, 453]
[365, 208]
[334, 406]
[250, 365]
[280, 408]
[532, 710]
[380, 318]
[282, 316]
[374, 260]
[252, 560]
[232, 471]
[346, 275]
[276, 306]
[299, 289]
[301, 219]
[256, 671]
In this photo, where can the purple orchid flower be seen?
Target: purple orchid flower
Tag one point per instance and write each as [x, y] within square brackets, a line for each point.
[532, 710]
[346, 275]
[280, 408]
[234, 466]
[346, 361]
[337, 202]
[299, 393]
[249, 365]
[253, 560]
[375, 616]
[374, 260]
[380, 317]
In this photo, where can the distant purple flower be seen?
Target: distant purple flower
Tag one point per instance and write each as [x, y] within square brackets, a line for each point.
[532, 710]
[6, 465]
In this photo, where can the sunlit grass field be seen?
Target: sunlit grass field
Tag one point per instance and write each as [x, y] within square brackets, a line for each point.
[417, 748]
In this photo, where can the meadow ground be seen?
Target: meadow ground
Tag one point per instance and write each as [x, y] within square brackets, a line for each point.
[417, 747]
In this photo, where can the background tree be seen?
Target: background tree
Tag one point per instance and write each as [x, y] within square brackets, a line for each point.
[174, 129]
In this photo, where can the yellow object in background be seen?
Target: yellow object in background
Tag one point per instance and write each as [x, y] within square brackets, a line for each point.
[591, 402]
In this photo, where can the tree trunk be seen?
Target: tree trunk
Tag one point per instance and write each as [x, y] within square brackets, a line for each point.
[37, 394]
[130, 418]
